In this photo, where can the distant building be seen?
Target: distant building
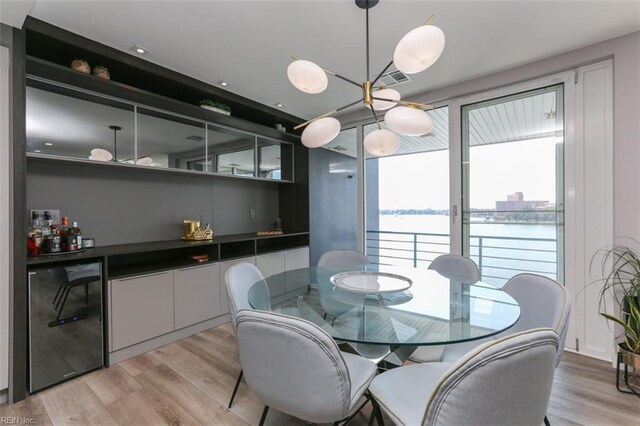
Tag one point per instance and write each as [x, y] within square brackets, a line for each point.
[516, 202]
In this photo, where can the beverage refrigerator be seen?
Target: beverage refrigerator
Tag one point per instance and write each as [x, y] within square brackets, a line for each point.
[65, 322]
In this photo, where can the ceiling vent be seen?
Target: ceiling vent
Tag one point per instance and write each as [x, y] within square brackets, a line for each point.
[195, 138]
[393, 77]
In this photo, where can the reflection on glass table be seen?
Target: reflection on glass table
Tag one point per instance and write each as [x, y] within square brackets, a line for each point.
[434, 310]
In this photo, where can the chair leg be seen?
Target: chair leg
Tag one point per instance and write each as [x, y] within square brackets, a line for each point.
[546, 421]
[376, 413]
[64, 300]
[235, 390]
[264, 415]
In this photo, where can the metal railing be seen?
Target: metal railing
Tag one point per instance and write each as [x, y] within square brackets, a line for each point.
[498, 258]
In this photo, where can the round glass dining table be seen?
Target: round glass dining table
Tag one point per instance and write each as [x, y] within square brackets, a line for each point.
[387, 305]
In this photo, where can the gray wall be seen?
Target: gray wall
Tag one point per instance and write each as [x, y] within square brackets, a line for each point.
[119, 206]
[333, 201]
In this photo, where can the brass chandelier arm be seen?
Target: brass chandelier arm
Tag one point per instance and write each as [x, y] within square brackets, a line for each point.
[408, 103]
[335, 74]
[327, 114]
[430, 19]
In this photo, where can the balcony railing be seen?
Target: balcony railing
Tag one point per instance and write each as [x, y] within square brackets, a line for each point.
[498, 258]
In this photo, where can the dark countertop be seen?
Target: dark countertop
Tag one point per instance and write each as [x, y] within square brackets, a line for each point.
[120, 249]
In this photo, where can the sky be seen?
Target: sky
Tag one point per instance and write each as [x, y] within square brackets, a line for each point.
[421, 181]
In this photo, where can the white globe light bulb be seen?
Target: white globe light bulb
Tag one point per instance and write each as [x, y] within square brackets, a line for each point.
[381, 142]
[419, 49]
[307, 77]
[387, 94]
[408, 121]
[320, 132]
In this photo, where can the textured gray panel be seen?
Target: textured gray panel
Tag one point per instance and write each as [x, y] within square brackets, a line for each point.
[128, 206]
[333, 200]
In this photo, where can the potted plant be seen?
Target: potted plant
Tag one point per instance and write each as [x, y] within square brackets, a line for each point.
[215, 106]
[622, 282]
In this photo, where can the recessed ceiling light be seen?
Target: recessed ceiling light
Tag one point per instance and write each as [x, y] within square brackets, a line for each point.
[223, 83]
[279, 105]
[37, 150]
[139, 49]
[48, 144]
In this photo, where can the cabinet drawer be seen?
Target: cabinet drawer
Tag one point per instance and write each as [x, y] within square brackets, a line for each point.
[272, 264]
[141, 308]
[197, 294]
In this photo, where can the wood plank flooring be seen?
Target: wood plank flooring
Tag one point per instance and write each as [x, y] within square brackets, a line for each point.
[189, 382]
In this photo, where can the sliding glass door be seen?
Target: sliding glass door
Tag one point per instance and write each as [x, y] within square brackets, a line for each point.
[512, 184]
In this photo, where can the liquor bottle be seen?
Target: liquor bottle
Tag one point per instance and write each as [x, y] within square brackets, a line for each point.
[46, 224]
[63, 231]
[34, 236]
[75, 232]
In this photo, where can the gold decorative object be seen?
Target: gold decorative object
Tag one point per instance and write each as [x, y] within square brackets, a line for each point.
[194, 232]
[81, 65]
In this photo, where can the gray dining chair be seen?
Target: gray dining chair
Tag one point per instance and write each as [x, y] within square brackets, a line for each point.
[239, 279]
[343, 257]
[503, 382]
[453, 265]
[335, 303]
[294, 366]
[448, 265]
[543, 303]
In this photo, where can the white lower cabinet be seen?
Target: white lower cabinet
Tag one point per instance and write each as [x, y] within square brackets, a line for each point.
[148, 306]
[196, 293]
[141, 308]
[296, 259]
[224, 266]
[271, 264]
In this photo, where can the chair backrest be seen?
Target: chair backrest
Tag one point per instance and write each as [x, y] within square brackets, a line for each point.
[293, 366]
[503, 382]
[343, 258]
[239, 279]
[452, 265]
[543, 303]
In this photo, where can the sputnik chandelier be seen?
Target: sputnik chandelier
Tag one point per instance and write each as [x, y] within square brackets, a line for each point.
[416, 51]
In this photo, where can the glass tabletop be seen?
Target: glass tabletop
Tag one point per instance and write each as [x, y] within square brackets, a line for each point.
[433, 310]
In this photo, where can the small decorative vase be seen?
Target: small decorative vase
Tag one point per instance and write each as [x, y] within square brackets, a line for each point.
[81, 65]
[101, 72]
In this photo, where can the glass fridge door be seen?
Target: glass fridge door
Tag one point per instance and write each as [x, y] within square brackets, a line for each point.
[65, 322]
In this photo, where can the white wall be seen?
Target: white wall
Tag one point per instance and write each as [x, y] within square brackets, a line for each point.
[4, 217]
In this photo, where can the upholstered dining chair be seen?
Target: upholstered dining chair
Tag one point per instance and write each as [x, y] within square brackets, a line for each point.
[239, 279]
[543, 303]
[503, 382]
[448, 265]
[335, 305]
[294, 366]
[452, 265]
[343, 257]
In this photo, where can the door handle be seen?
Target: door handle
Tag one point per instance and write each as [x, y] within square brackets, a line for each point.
[454, 213]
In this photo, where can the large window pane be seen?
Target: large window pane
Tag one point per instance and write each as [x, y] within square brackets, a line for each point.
[407, 198]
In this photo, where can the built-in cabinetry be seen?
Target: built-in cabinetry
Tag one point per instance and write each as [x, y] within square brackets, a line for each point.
[75, 125]
[197, 294]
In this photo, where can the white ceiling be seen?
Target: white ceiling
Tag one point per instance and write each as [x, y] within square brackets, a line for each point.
[248, 43]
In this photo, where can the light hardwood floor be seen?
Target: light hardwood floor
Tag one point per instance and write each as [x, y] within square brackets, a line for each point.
[190, 381]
